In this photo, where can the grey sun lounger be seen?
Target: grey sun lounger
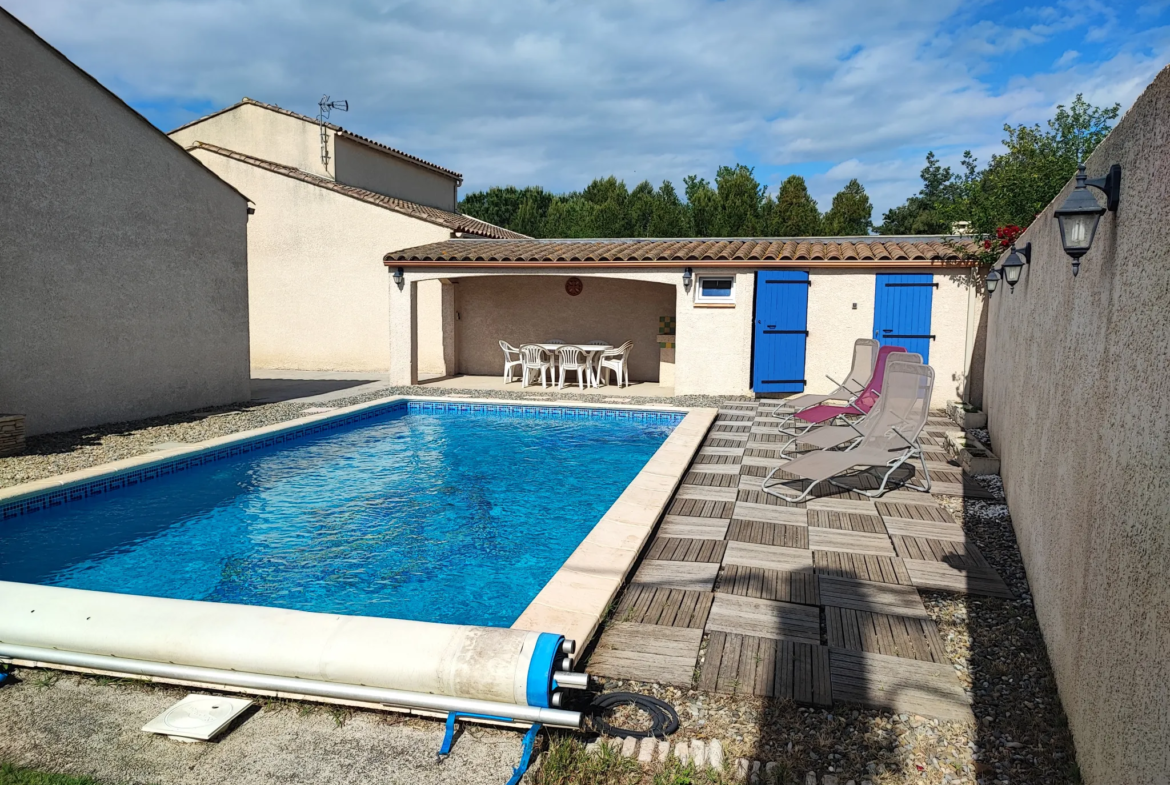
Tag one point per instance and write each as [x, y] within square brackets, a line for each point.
[865, 352]
[891, 440]
[825, 437]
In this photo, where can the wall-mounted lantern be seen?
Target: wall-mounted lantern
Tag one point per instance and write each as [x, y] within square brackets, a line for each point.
[992, 280]
[688, 276]
[1081, 212]
[399, 278]
[1014, 265]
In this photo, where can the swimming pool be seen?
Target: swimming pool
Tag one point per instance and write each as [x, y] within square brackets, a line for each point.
[432, 511]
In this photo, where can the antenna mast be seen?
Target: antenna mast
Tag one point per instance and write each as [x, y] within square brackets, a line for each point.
[326, 106]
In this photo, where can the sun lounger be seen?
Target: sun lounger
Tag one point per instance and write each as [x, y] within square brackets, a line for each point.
[825, 437]
[859, 406]
[865, 352]
[890, 443]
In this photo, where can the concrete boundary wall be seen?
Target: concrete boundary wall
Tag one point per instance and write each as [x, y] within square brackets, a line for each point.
[1077, 382]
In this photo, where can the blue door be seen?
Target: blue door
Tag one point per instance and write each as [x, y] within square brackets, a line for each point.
[781, 330]
[901, 314]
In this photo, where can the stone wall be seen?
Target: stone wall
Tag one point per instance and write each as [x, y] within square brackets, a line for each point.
[1076, 384]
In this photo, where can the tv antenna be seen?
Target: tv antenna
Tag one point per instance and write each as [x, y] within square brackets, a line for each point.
[326, 106]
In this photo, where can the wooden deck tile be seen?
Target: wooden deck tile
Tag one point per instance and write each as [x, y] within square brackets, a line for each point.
[750, 665]
[707, 492]
[692, 576]
[846, 521]
[901, 685]
[929, 511]
[715, 468]
[701, 508]
[878, 633]
[686, 549]
[693, 527]
[713, 479]
[956, 483]
[888, 598]
[764, 618]
[767, 463]
[707, 459]
[958, 554]
[769, 557]
[939, 531]
[792, 516]
[768, 533]
[721, 426]
[775, 438]
[798, 587]
[644, 604]
[759, 497]
[749, 469]
[647, 652]
[725, 440]
[939, 576]
[860, 566]
[762, 452]
[842, 505]
[853, 542]
[732, 451]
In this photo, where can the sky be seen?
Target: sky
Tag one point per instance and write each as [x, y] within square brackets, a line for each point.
[557, 92]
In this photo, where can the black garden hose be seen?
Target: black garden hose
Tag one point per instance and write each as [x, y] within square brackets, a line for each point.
[663, 717]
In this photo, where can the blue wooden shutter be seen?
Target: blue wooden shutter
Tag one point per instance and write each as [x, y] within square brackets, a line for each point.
[781, 330]
[901, 314]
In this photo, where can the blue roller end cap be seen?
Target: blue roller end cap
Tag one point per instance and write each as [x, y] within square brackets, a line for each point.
[541, 668]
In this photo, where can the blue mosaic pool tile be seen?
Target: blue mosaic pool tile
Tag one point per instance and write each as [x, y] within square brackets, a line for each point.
[82, 490]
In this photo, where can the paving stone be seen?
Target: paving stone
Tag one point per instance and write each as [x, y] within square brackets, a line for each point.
[629, 747]
[699, 754]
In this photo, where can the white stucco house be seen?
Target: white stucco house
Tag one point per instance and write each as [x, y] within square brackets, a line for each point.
[707, 316]
[123, 262]
[328, 204]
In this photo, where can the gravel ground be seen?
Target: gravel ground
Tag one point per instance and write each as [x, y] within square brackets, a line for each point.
[1021, 734]
[71, 724]
[57, 453]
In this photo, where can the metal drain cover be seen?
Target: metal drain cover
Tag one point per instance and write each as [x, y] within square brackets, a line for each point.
[197, 717]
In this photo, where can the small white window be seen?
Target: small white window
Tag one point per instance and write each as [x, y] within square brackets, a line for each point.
[715, 289]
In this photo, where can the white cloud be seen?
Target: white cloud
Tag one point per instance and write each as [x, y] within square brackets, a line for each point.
[556, 92]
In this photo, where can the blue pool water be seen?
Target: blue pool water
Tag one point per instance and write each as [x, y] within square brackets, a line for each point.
[450, 517]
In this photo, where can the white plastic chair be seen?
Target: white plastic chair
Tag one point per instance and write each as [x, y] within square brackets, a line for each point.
[616, 360]
[594, 358]
[535, 358]
[512, 360]
[571, 358]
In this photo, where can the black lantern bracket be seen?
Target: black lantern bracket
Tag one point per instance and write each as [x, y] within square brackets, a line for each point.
[1110, 185]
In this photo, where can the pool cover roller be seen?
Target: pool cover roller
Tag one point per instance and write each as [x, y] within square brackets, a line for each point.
[505, 666]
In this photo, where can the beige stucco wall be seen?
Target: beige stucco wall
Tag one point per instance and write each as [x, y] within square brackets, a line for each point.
[718, 360]
[534, 309]
[1076, 390]
[431, 360]
[363, 167]
[317, 285]
[833, 325]
[263, 133]
[714, 354]
[123, 267]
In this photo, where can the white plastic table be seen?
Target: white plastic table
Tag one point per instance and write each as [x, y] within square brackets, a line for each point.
[590, 351]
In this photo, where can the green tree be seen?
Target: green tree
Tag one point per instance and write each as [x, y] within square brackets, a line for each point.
[1019, 183]
[706, 217]
[1015, 185]
[795, 213]
[670, 218]
[640, 210]
[851, 213]
[608, 196]
[568, 216]
[740, 199]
